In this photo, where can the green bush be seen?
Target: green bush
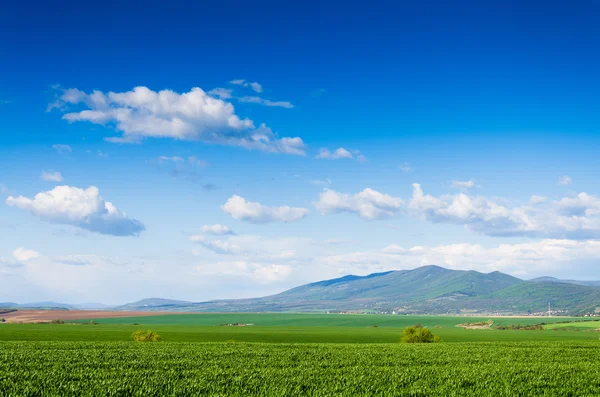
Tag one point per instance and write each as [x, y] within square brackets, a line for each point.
[148, 336]
[419, 335]
[2, 320]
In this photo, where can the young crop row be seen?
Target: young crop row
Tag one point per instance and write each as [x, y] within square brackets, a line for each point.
[239, 369]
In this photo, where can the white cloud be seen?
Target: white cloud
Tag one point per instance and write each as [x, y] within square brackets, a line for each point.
[339, 153]
[218, 246]
[51, 176]
[573, 218]
[564, 180]
[536, 258]
[253, 212]
[266, 273]
[222, 93]
[463, 184]
[84, 208]
[194, 115]
[23, 255]
[216, 230]
[368, 204]
[255, 86]
[62, 149]
[266, 102]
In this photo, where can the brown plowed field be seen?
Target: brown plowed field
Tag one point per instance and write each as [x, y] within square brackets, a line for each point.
[37, 316]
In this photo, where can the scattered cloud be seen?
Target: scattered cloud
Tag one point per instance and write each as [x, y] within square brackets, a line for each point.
[266, 102]
[195, 115]
[564, 180]
[254, 212]
[222, 93]
[23, 255]
[265, 273]
[368, 204]
[463, 185]
[254, 85]
[51, 176]
[218, 246]
[340, 153]
[84, 208]
[217, 230]
[524, 259]
[572, 218]
[62, 149]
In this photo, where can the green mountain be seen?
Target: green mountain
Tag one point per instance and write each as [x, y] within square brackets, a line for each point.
[425, 290]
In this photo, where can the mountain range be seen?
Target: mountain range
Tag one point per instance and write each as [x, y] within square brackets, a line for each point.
[424, 290]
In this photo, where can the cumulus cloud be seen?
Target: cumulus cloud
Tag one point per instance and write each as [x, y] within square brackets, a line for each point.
[216, 230]
[463, 184]
[340, 153]
[62, 149]
[51, 176]
[23, 255]
[84, 208]
[254, 212]
[194, 115]
[368, 204]
[573, 218]
[564, 180]
[254, 85]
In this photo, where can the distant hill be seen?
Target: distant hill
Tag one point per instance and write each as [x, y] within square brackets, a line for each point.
[556, 280]
[153, 304]
[425, 290]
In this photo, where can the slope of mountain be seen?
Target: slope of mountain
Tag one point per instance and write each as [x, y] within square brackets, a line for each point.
[557, 280]
[154, 304]
[425, 290]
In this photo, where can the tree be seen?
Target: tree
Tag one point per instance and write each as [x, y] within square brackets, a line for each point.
[419, 335]
[148, 336]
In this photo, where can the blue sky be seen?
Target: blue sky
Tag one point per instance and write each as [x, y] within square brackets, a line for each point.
[195, 151]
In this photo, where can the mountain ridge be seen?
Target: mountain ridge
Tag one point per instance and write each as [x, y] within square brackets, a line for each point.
[424, 290]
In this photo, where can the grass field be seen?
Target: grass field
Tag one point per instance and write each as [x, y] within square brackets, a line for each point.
[298, 355]
[321, 320]
[243, 369]
[285, 328]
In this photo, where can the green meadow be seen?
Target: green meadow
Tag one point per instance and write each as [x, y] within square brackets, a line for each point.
[294, 328]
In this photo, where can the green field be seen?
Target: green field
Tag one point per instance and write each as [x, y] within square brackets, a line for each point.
[285, 328]
[298, 354]
[243, 369]
[321, 320]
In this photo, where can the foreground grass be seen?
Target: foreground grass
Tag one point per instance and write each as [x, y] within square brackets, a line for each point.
[272, 334]
[243, 369]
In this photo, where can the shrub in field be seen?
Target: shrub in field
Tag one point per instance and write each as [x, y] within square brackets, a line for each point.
[419, 335]
[148, 336]
[2, 320]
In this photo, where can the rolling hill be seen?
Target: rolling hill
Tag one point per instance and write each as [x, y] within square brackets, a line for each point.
[425, 290]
